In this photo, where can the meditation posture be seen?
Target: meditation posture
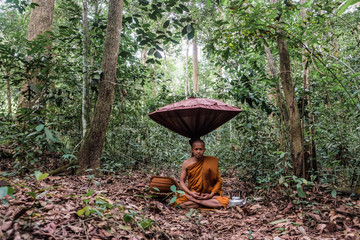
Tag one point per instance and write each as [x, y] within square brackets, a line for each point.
[204, 180]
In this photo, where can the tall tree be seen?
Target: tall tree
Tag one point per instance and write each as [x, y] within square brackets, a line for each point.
[86, 81]
[296, 141]
[91, 149]
[195, 66]
[309, 163]
[279, 99]
[41, 18]
[187, 68]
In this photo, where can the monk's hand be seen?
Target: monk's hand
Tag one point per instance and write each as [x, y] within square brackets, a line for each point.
[205, 196]
[195, 195]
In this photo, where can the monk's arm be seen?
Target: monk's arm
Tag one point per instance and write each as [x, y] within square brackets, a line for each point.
[182, 182]
[218, 183]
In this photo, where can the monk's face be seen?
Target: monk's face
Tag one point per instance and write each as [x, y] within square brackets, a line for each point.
[198, 150]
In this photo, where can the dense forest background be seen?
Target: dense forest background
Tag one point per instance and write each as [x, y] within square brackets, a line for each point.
[78, 79]
[170, 50]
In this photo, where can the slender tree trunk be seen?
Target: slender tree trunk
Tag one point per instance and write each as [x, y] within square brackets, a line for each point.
[296, 141]
[153, 79]
[280, 101]
[195, 67]
[187, 69]
[86, 81]
[143, 56]
[310, 162]
[91, 150]
[41, 18]
[170, 76]
[8, 92]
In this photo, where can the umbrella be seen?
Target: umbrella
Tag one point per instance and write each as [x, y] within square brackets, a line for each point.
[194, 117]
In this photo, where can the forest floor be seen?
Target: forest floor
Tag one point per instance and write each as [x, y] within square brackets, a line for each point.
[121, 207]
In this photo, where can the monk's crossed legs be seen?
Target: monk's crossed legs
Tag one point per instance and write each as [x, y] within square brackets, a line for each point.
[196, 203]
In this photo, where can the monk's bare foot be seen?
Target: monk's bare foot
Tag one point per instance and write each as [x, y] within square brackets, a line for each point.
[189, 204]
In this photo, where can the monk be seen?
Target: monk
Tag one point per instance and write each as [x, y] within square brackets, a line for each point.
[204, 180]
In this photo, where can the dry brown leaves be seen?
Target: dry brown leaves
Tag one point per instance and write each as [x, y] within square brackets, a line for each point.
[54, 214]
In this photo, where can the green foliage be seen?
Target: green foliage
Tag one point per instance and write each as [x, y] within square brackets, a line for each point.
[290, 182]
[345, 5]
[6, 190]
[233, 68]
[99, 207]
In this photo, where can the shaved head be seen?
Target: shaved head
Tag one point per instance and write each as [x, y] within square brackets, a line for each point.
[198, 141]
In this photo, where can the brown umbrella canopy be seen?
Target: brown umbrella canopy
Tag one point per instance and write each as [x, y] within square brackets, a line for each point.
[194, 117]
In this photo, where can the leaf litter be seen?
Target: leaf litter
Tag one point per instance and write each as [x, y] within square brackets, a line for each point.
[121, 207]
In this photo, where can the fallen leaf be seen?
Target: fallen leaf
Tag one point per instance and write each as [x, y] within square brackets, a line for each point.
[314, 216]
[5, 226]
[321, 228]
[279, 221]
[302, 230]
[76, 229]
[255, 207]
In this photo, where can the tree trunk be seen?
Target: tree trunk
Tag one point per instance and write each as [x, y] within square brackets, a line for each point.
[8, 92]
[296, 141]
[195, 67]
[309, 163]
[170, 76]
[280, 101]
[153, 79]
[187, 69]
[41, 18]
[143, 56]
[91, 150]
[86, 81]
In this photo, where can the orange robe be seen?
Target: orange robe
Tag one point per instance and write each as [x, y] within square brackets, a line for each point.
[204, 177]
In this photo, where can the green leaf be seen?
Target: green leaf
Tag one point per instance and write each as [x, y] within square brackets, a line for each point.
[183, 7]
[40, 127]
[173, 188]
[32, 194]
[208, 3]
[143, 42]
[40, 176]
[166, 24]
[158, 54]
[3, 191]
[333, 193]
[144, 2]
[150, 61]
[10, 191]
[181, 192]
[156, 189]
[151, 51]
[188, 215]
[5, 202]
[191, 35]
[89, 193]
[128, 218]
[281, 180]
[346, 5]
[97, 211]
[144, 224]
[184, 31]
[80, 212]
[85, 210]
[173, 200]
[300, 192]
[48, 134]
